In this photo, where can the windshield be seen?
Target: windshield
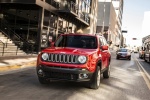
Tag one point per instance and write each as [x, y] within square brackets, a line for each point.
[122, 50]
[77, 41]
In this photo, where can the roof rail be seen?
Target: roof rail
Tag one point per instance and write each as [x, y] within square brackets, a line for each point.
[71, 33]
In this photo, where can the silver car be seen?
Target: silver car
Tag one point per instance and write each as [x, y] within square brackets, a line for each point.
[123, 53]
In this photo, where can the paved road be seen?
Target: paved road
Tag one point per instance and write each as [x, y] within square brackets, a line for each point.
[144, 64]
[126, 83]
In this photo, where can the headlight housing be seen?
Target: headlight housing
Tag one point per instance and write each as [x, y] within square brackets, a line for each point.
[118, 53]
[82, 59]
[128, 54]
[44, 56]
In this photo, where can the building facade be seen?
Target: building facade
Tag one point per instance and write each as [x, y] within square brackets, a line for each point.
[118, 5]
[146, 24]
[106, 20]
[110, 20]
[39, 22]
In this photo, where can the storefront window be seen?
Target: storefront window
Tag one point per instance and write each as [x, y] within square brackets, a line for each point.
[33, 26]
[46, 18]
[21, 24]
[60, 24]
[53, 21]
[53, 3]
[70, 27]
[64, 26]
[44, 37]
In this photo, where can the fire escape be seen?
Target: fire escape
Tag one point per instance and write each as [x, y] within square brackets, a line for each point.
[70, 10]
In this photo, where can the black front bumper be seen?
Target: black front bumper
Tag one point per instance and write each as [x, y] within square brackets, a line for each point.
[67, 74]
[122, 56]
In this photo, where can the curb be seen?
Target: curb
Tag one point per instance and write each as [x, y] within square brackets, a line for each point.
[145, 75]
[17, 66]
[148, 76]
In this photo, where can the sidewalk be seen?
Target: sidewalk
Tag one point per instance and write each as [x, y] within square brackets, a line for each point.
[17, 62]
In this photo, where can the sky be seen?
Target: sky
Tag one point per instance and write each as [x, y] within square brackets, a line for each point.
[133, 16]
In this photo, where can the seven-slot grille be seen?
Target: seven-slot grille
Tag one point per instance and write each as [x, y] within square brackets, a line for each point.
[63, 58]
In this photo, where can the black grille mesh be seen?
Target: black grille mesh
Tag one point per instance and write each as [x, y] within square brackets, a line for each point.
[63, 58]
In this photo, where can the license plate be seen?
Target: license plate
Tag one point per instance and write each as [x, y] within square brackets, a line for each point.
[123, 55]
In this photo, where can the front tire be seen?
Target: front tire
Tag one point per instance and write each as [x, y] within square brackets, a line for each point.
[95, 80]
[117, 57]
[43, 80]
[129, 58]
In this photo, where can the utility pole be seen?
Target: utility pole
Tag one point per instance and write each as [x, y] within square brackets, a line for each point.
[122, 37]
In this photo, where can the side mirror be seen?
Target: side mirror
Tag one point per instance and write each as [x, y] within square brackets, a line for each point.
[105, 47]
[117, 45]
[52, 44]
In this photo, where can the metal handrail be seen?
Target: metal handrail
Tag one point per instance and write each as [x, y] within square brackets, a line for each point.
[21, 40]
[3, 47]
[6, 36]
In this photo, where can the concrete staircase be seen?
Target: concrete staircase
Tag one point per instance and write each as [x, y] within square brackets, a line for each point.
[8, 48]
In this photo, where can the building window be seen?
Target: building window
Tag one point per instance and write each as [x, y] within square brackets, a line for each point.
[46, 18]
[53, 21]
[53, 3]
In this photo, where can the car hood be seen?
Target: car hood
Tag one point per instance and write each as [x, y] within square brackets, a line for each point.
[68, 50]
[122, 52]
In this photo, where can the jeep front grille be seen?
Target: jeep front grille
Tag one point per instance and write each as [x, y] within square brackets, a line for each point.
[63, 58]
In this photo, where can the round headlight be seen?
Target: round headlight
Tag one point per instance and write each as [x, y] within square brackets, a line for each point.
[44, 56]
[82, 59]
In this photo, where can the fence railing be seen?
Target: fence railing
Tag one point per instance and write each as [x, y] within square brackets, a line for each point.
[71, 6]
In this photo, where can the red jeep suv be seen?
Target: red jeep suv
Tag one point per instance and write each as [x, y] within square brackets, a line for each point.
[75, 57]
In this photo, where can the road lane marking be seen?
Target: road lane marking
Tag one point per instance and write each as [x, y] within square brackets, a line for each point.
[144, 73]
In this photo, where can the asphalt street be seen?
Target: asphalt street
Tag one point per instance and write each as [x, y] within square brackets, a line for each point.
[126, 83]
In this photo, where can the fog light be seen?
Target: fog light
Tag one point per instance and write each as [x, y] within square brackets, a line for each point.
[83, 76]
[40, 72]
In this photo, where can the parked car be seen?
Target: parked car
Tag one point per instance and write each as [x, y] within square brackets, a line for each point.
[141, 53]
[75, 57]
[123, 53]
[146, 48]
